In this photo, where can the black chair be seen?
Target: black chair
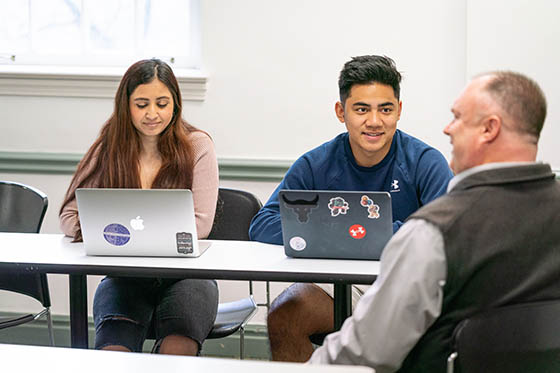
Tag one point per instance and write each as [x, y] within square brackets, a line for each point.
[234, 212]
[518, 338]
[22, 209]
[233, 223]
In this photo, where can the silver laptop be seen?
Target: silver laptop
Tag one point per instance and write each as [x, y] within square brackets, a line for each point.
[139, 222]
[335, 224]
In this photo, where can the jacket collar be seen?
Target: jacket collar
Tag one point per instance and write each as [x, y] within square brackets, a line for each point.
[501, 173]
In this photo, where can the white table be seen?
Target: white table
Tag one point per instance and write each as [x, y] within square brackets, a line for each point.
[67, 360]
[224, 260]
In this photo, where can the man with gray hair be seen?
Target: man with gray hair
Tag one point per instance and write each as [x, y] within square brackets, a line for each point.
[491, 241]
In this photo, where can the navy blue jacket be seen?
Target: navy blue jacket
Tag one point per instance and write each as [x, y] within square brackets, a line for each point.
[413, 172]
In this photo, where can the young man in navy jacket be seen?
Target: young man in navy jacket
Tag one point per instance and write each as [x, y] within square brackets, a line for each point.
[371, 156]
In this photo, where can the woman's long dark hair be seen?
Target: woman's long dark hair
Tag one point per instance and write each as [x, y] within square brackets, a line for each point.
[115, 153]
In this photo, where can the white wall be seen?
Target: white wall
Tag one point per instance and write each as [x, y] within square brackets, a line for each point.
[520, 35]
[273, 68]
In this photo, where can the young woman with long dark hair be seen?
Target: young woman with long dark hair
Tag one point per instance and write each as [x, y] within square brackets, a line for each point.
[146, 144]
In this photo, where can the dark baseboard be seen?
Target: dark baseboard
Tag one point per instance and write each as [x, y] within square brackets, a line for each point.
[35, 333]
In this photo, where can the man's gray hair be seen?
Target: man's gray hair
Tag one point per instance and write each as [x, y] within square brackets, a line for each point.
[521, 98]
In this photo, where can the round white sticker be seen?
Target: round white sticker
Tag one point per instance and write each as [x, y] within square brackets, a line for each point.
[297, 243]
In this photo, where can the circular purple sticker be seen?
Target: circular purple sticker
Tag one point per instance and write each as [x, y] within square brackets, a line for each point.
[116, 234]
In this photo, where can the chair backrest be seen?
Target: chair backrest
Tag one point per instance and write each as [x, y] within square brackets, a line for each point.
[234, 212]
[22, 209]
[518, 338]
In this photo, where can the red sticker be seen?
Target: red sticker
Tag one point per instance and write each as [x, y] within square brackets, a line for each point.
[357, 231]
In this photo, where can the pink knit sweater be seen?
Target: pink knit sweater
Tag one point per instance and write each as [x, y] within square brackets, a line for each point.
[204, 188]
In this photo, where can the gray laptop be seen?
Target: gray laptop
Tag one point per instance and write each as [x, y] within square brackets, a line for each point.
[139, 222]
[335, 224]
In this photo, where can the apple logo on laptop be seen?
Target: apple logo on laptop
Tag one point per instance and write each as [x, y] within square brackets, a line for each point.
[137, 223]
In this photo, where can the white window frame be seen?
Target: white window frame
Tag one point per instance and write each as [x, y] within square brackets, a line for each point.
[96, 82]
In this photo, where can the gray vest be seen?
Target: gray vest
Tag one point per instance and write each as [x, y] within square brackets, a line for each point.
[501, 232]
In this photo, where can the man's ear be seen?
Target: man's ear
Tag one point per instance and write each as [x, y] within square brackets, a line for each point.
[339, 111]
[491, 127]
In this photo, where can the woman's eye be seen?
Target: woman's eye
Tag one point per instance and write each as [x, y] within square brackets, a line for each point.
[141, 106]
[162, 105]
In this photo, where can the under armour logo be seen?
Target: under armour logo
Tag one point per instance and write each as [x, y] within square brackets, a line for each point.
[357, 231]
[395, 184]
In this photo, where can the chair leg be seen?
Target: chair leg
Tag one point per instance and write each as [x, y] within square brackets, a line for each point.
[50, 326]
[267, 296]
[156, 346]
[241, 343]
[451, 362]
[267, 302]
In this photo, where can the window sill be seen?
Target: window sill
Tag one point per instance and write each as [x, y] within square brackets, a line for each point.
[57, 81]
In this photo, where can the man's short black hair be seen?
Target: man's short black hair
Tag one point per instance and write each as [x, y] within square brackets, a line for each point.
[368, 70]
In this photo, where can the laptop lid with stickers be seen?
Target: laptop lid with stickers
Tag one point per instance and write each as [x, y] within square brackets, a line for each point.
[335, 224]
[138, 222]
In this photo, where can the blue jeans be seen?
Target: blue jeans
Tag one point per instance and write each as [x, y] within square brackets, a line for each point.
[128, 310]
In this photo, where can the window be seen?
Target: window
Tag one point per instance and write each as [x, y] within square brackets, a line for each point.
[81, 48]
[98, 32]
